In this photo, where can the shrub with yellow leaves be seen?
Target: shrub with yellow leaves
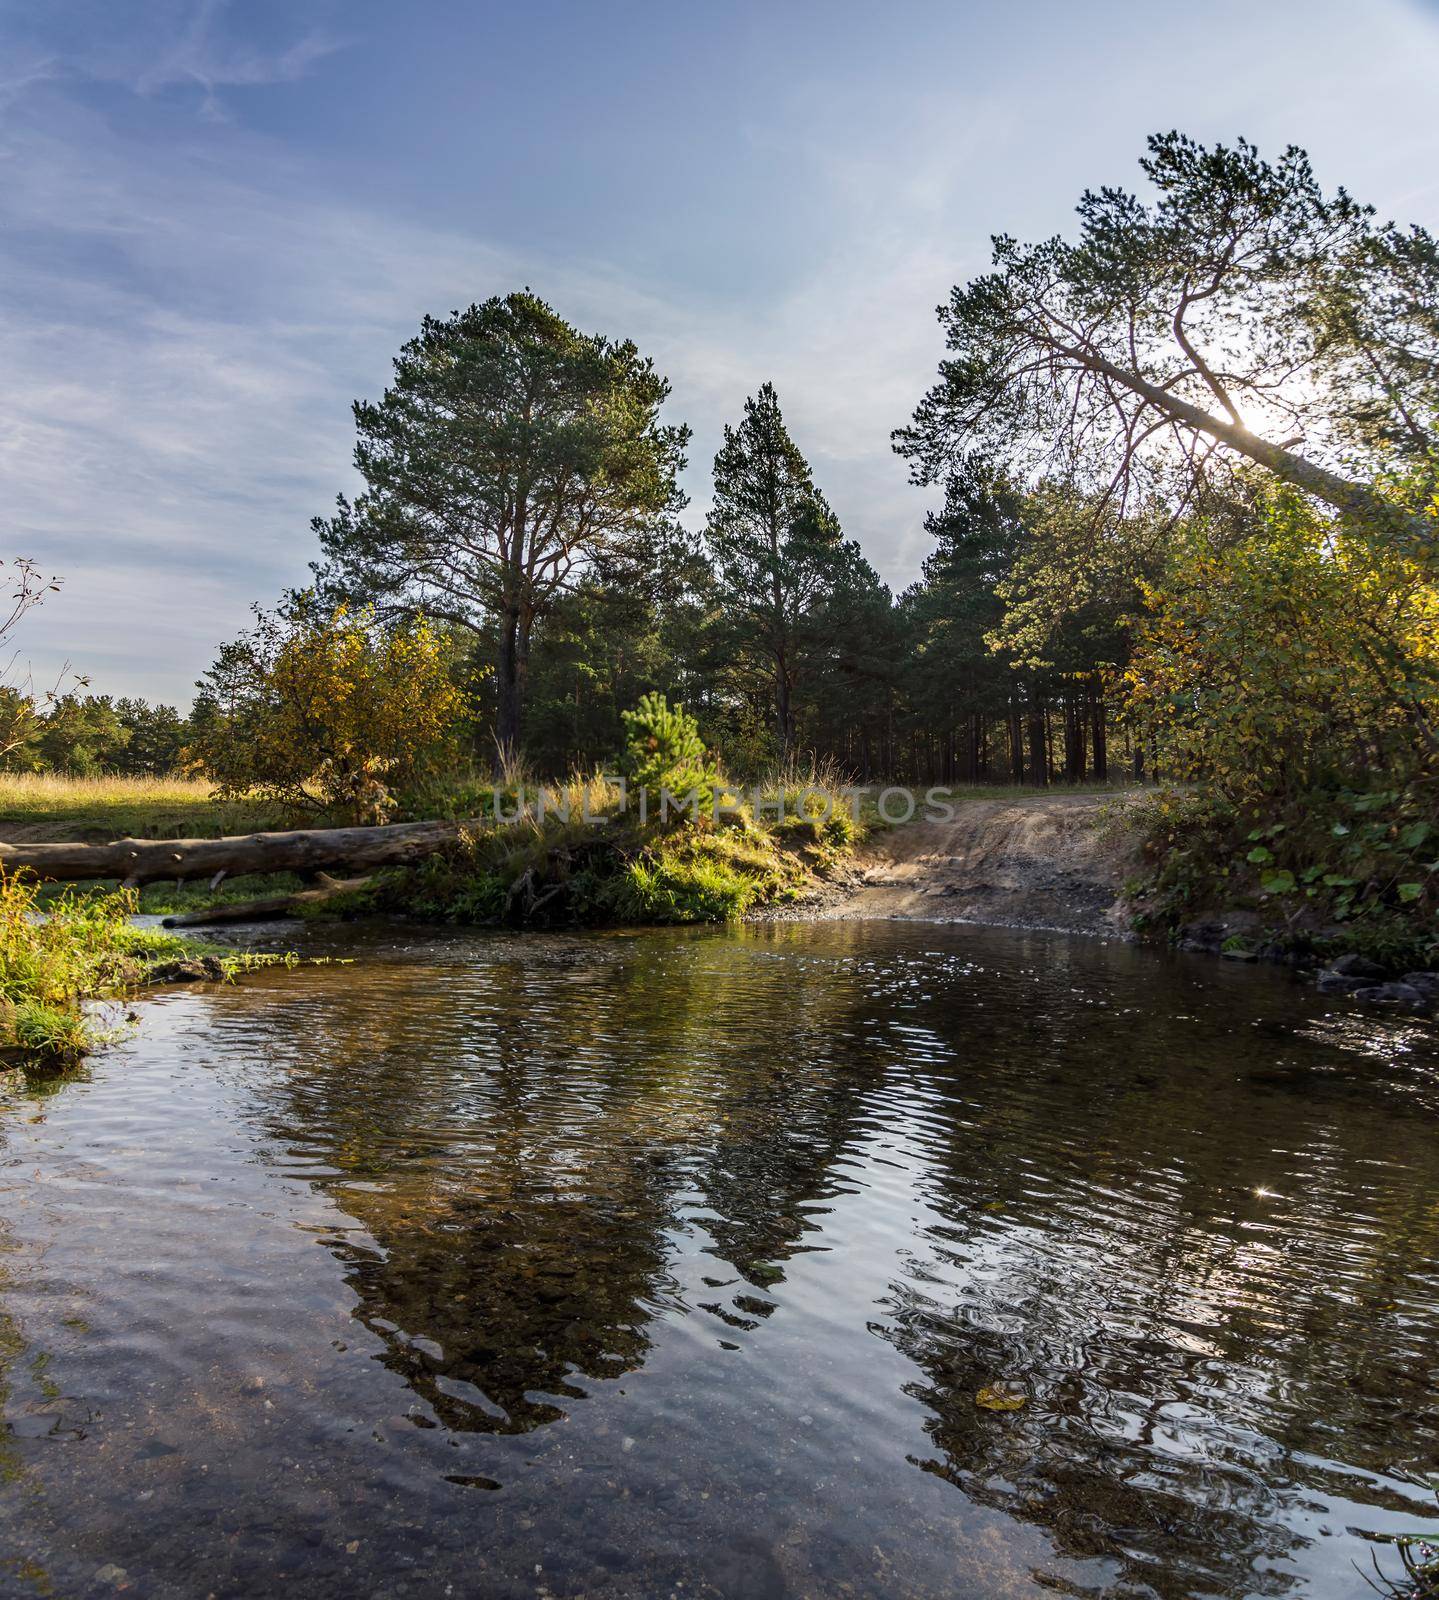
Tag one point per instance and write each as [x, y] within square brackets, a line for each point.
[1304, 656]
[327, 711]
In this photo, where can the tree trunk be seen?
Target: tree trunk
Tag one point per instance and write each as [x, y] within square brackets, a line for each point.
[281, 905]
[522, 673]
[783, 715]
[1073, 738]
[508, 692]
[1358, 500]
[1016, 745]
[1100, 737]
[1038, 746]
[138, 861]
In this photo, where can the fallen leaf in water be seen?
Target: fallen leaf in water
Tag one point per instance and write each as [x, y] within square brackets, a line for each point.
[1000, 1397]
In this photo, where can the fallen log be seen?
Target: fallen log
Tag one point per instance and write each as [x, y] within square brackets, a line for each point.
[269, 906]
[303, 850]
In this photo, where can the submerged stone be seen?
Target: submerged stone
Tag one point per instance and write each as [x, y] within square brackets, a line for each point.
[1396, 996]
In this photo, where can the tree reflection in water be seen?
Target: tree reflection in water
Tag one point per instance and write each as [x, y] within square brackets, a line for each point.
[1209, 1267]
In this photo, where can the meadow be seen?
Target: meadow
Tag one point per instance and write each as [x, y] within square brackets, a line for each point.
[54, 805]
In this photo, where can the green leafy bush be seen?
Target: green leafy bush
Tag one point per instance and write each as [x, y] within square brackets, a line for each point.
[1347, 869]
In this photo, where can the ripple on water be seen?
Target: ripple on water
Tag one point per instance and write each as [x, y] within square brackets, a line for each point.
[592, 1265]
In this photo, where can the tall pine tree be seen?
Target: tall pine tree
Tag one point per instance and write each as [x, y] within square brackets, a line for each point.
[509, 455]
[778, 552]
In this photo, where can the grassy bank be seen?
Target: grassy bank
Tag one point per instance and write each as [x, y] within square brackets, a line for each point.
[587, 859]
[75, 948]
[557, 870]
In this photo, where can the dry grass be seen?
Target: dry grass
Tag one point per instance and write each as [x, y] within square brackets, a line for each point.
[49, 805]
[44, 791]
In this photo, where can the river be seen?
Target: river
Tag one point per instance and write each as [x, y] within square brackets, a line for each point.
[653, 1264]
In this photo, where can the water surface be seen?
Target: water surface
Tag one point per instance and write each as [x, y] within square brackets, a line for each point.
[673, 1264]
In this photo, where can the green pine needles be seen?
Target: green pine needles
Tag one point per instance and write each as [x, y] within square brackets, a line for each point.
[665, 760]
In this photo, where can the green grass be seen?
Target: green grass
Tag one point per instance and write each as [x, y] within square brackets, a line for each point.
[170, 898]
[73, 948]
[81, 947]
[616, 872]
[702, 875]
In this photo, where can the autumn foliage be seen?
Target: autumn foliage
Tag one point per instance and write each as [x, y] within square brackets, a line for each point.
[1300, 656]
[327, 711]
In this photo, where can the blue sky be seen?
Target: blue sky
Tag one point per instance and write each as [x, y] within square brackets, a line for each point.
[219, 221]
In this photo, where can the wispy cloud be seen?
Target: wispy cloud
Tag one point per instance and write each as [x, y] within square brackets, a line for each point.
[172, 431]
[22, 72]
[203, 54]
[151, 48]
[184, 322]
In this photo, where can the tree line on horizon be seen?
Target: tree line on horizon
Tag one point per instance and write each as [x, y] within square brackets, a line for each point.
[770, 626]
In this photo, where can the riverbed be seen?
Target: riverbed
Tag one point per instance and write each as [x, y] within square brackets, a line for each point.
[845, 1259]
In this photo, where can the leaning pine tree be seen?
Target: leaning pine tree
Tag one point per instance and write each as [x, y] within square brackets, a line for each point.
[1239, 318]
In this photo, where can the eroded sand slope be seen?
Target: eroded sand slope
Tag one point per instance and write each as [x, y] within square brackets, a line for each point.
[1037, 861]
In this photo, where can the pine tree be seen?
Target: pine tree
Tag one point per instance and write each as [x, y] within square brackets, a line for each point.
[510, 453]
[777, 548]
